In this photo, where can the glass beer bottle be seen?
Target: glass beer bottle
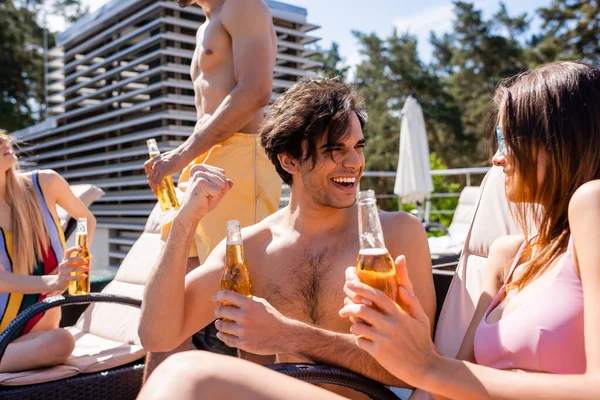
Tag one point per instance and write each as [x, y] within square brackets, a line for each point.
[81, 239]
[374, 266]
[165, 191]
[235, 275]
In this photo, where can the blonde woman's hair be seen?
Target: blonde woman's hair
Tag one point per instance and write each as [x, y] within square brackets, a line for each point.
[29, 234]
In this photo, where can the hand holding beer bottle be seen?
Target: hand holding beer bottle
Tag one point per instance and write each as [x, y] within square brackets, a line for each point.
[165, 191]
[82, 286]
[374, 266]
[235, 275]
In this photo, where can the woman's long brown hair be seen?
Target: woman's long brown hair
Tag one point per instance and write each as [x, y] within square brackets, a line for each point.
[556, 109]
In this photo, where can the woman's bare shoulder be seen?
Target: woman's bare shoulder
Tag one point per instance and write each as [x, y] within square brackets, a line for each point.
[502, 254]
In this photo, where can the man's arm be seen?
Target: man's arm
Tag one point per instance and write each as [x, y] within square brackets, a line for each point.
[321, 345]
[257, 327]
[175, 305]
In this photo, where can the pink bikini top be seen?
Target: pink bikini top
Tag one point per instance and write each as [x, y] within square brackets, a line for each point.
[544, 334]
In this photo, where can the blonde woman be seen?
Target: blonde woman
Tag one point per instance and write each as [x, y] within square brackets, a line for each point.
[33, 259]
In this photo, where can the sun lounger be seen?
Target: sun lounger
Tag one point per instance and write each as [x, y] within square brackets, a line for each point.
[446, 249]
[107, 362]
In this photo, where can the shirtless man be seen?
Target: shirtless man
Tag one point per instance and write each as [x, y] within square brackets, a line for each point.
[232, 71]
[313, 134]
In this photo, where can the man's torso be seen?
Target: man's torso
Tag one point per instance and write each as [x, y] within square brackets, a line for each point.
[213, 72]
[302, 278]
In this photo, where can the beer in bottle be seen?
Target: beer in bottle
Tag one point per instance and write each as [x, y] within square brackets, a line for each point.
[165, 191]
[235, 275]
[374, 266]
[81, 239]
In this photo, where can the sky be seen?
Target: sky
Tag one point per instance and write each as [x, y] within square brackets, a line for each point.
[338, 18]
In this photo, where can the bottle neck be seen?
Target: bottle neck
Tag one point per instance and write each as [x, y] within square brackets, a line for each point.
[234, 236]
[81, 240]
[369, 226]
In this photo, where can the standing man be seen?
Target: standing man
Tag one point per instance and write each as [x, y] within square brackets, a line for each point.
[232, 72]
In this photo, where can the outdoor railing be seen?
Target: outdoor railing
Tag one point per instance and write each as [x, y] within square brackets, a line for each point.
[465, 178]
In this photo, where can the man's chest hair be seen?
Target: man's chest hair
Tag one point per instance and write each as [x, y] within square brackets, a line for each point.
[308, 284]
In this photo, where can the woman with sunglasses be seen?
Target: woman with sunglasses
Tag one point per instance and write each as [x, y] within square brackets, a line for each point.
[538, 313]
[536, 328]
[33, 262]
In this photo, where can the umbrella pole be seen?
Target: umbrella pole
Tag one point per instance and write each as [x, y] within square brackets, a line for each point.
[427, 209]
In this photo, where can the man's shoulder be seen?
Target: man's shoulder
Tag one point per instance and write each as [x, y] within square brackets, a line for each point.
[248, 11]
[240, 7]
[400, 221]
[263, 228]
[403, 232]
[261, 5]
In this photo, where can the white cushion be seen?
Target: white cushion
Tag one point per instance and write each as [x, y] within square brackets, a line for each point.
[94, 353]
[38, 375]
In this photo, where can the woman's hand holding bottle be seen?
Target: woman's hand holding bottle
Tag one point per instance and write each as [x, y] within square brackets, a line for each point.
[397, 334]
[59, 280]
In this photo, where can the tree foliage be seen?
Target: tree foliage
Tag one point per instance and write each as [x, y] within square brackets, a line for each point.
[570, 30]
[22, 59]
[332, 61]
[456, 87]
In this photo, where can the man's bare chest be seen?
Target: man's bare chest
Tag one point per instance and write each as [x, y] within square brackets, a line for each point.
[307, 285]
[213, 48]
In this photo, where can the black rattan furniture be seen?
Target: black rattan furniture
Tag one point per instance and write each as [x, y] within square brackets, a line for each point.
[121, 383]
[325, 374]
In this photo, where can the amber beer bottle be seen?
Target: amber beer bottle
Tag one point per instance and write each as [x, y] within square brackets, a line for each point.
[374, 265]
[81, 240]
[166, 191]
[235, 275]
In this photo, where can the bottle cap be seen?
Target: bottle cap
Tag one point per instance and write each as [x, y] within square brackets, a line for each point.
[233, 224]
[152, 146]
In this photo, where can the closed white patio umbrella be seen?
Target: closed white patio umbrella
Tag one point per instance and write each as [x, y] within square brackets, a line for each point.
[413, 178]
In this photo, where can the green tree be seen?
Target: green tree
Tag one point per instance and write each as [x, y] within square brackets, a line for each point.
[440, 185]
[22, 60]
[472, 59]
[391, 70]
[21, 65]
[570, 30]
[332, 61]
[71, 10]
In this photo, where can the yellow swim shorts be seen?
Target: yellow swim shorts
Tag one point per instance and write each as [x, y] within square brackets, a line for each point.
[254, 195]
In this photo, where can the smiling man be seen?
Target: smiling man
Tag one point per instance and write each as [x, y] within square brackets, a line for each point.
[313, 134]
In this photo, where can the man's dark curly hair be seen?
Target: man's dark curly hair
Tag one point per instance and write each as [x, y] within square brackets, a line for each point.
[304, 113]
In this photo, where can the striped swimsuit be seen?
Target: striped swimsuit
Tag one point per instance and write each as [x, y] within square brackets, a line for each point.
[11, 304]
